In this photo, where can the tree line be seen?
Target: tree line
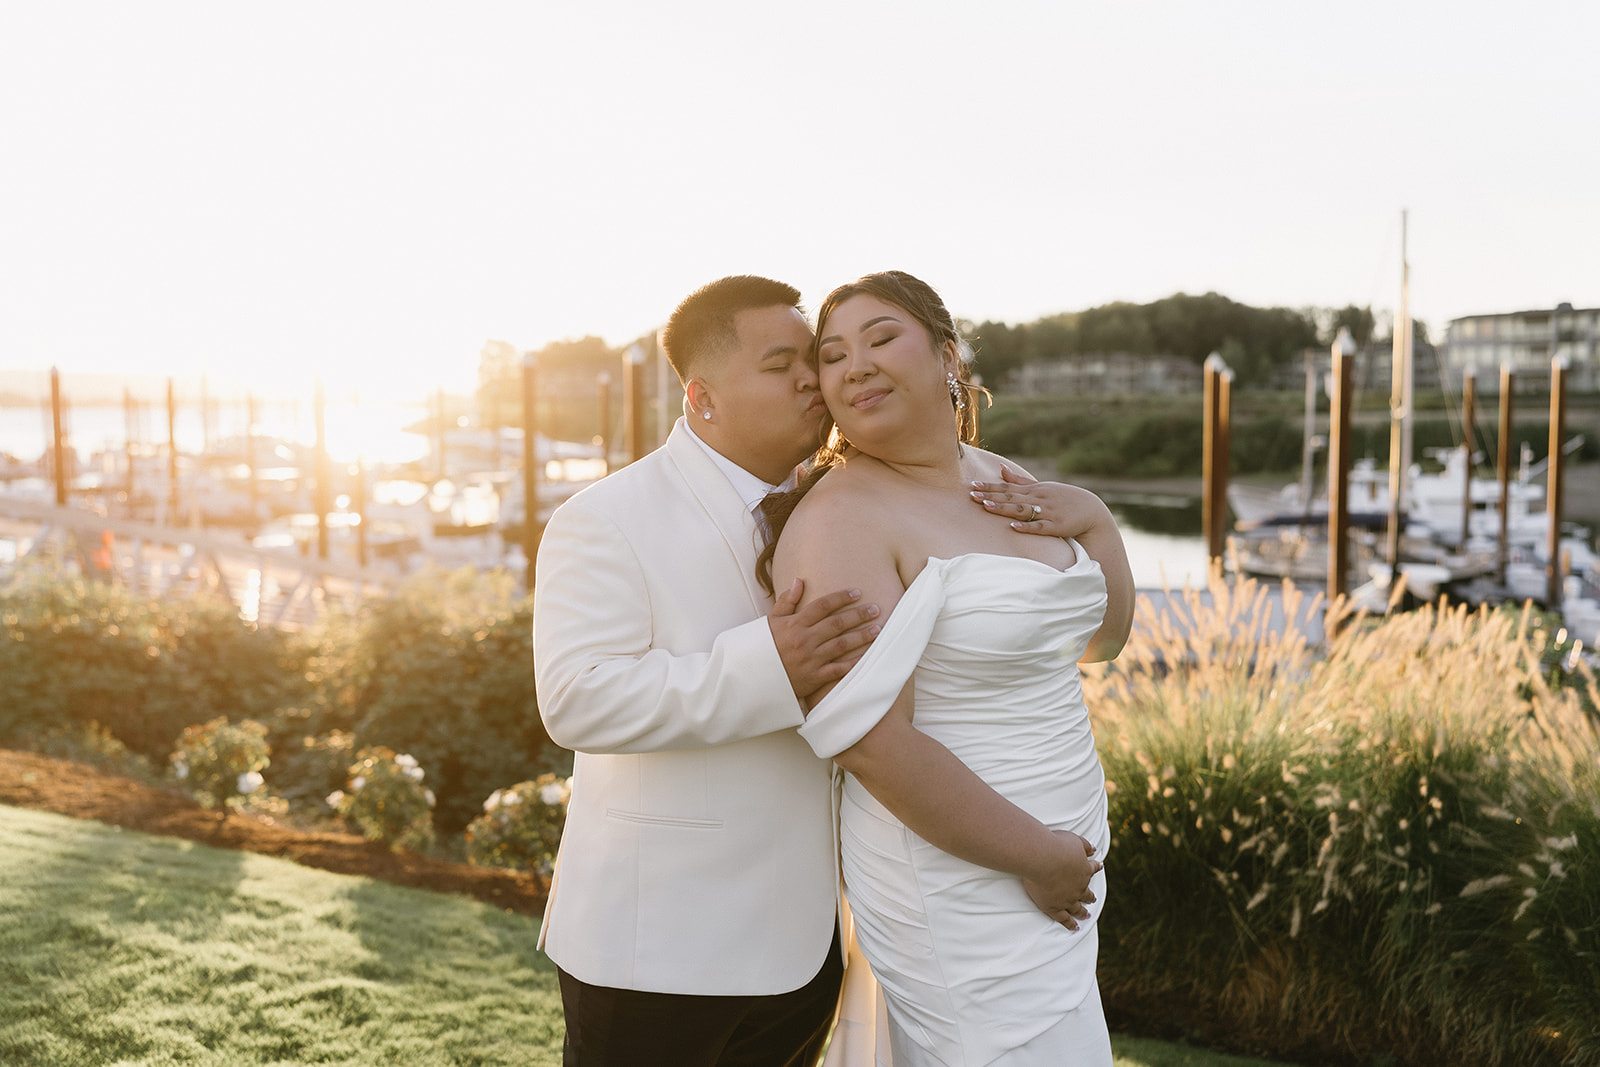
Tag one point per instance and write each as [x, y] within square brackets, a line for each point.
[1253, 341]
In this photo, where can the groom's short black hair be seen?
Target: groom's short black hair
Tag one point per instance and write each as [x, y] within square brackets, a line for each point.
[702, 326]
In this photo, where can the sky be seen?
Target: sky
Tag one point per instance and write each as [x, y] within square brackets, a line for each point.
[369, 192]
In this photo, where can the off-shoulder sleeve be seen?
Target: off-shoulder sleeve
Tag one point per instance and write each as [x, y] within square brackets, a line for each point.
[864, 696]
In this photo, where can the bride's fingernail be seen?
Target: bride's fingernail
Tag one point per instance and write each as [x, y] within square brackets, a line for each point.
[986, 503]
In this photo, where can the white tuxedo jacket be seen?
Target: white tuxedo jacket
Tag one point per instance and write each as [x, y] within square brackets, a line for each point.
[699, 849]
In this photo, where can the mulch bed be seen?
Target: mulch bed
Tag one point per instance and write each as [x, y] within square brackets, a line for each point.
[81, 791]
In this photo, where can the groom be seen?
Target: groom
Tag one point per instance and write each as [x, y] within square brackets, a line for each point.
[692, 914]
[693, 911]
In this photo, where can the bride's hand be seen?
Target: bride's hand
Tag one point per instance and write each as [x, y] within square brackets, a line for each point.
[1053, 509]
[1064, 894]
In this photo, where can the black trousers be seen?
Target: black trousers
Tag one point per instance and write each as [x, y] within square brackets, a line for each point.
[626, 1028]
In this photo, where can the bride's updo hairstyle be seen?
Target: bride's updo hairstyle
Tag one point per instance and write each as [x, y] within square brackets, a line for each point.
[919, 300]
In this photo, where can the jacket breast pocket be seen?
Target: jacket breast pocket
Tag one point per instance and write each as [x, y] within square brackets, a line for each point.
[650, 819]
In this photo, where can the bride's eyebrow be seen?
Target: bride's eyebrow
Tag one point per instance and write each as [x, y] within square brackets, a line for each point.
[865, 326]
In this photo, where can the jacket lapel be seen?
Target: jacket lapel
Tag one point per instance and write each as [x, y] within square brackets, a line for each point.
[723, 506]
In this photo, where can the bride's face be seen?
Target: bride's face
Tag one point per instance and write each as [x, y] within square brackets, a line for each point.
[879, 371]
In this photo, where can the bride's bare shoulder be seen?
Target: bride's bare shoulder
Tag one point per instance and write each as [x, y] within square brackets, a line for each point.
[839, 508]
[986, 465]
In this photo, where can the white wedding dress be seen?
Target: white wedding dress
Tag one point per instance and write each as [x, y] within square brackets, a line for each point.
[970, 971]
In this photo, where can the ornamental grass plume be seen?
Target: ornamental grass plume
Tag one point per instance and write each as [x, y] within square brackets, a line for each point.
[1389, 847]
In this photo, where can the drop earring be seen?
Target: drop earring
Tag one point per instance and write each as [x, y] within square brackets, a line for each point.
[958, 392]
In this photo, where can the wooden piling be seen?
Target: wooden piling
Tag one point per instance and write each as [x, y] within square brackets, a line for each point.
[1339, 470]
[1508, 382]
[633, 401]
[250, 456]
[358, 505]
[172, 455]
[58, 444]
[1469, 397]
[1555, 494]
[439, 428]
[603, 383]
[1213, 458]
[324, 499]
[1219, 484]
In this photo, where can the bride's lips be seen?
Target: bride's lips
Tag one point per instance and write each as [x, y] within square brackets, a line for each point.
[868, 398]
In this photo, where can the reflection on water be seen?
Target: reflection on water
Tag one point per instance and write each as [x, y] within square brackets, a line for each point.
[1151, 513]
[1162, 534]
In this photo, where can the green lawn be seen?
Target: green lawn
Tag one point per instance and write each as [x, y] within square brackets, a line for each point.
[122, 948]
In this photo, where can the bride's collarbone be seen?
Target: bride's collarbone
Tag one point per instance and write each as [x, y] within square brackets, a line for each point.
[941, 533]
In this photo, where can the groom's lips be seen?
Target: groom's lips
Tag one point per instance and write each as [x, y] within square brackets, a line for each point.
[817, 406]
[867, 398]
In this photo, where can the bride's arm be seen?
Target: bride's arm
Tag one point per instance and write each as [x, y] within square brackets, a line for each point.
[917, 778]
[941, 800]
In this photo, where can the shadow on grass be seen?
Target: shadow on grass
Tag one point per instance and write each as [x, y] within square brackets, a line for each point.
[126, 947]
[94, 912]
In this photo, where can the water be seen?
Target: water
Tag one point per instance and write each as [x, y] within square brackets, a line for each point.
[370, 432]
[1162, 535]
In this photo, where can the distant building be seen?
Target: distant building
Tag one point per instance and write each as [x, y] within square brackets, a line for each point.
[1526, 341]
[1373, 368]
[1114, 374]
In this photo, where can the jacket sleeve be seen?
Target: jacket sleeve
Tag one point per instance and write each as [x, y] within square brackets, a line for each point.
[604, 688]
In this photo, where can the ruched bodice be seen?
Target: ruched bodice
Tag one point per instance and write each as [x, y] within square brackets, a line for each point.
[969, 967]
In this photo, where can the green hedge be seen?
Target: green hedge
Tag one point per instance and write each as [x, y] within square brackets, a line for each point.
[79, 652]
[442, 670]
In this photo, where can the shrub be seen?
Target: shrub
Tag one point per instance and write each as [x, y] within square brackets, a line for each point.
[521, 826]
[90, 743]
[76, 651]
[221, 762]
[444, 670]
[385, 798]
[308, 769]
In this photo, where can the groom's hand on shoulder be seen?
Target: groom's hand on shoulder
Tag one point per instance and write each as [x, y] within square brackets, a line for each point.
[819, 642]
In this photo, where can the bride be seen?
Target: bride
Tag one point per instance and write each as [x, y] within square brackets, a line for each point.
[979, 653]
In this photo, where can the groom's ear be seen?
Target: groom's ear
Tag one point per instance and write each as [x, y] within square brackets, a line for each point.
[698, 396]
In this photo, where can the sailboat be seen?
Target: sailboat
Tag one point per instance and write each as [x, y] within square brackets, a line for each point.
[1404, 517]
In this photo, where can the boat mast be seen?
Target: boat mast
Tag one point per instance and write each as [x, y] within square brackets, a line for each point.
[1400, 405]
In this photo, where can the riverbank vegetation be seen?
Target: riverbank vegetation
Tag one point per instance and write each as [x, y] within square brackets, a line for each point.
[1162, 436]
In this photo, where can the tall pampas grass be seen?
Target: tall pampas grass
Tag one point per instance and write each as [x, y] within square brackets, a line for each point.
[1385, 846]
